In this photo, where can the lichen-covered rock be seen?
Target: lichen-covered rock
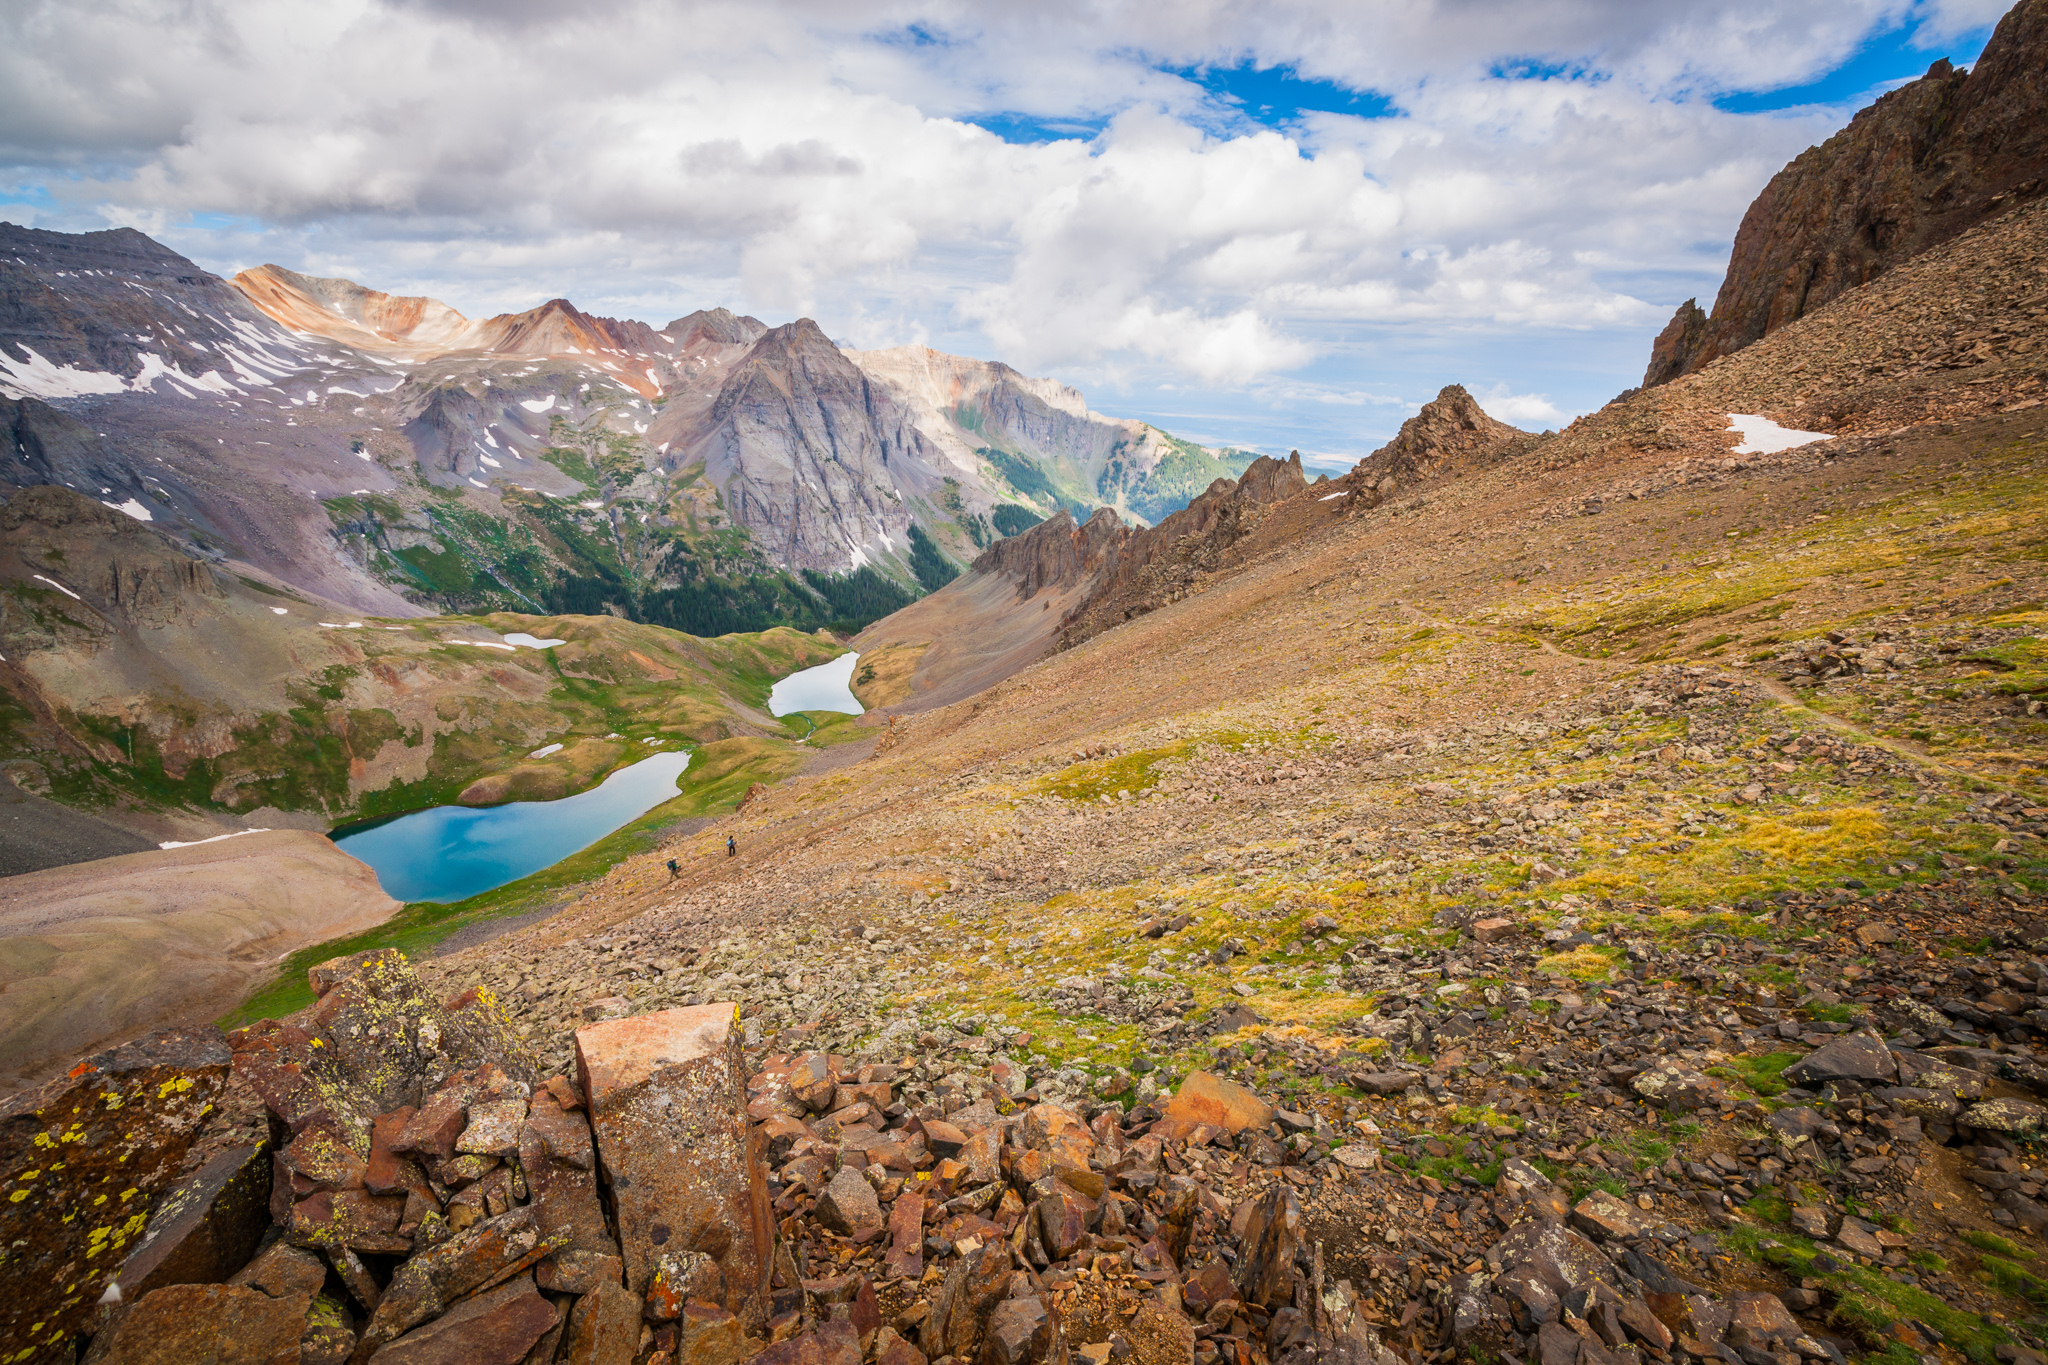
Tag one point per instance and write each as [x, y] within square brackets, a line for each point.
[80, 1161]
[2008, 1116]
[1673, 1085]
[666, 1095]
[426, 1285]
[208, 1324]
[1855, 1057]
[329, 1336]
[376, 1041]
[207, 1228]
[496, 1327]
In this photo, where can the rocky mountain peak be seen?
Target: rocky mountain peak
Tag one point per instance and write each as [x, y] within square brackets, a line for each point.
[345, 311]
[1923, 164]
[1451, 435]
[719, 325]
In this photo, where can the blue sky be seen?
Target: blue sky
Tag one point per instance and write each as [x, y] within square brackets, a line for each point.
[1281, 226]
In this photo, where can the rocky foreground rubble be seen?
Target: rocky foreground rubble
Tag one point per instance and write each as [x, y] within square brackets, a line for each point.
[417, 1192]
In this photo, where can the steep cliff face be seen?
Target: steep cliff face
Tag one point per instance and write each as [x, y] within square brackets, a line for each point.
[1921, 165]
[794, 443]
[1452, 435]
[1676, 344]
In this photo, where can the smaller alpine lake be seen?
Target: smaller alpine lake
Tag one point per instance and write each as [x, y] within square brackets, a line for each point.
[449, 853]
[827, 687]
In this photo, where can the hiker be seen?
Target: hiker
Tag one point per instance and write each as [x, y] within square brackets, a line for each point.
[732, 846]
[675, 869]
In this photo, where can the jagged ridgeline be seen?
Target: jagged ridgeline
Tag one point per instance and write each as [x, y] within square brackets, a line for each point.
[715, 475]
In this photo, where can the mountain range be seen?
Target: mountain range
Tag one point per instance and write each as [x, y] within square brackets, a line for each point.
[392, 455]
[1569, 897]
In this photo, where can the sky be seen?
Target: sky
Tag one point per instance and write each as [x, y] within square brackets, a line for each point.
[1266, 223]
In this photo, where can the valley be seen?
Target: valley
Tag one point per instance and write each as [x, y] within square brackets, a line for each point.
[1575, 897]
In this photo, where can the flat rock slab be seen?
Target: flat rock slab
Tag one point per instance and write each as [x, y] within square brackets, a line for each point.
[2008, 1116]
[667, 1095]
[80, 1162]
[1857, 1057]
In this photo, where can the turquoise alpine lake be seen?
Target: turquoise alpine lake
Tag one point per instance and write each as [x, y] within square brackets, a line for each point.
[824, 688]
[449, 853]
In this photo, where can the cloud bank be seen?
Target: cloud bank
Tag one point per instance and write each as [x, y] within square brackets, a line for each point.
[1536, 170]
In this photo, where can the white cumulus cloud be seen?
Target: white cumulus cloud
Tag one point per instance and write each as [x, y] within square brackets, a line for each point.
[1553, 168]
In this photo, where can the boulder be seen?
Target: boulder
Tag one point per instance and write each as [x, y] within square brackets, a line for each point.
[496, 1327]
[284, 1272]
[1853, 1057]
[1607, 1217]
[666, 1094]
[829, 1343]
[1023, 1332]
[81, 1159]
[329, 1337]
[707, 1335]
[557, 1157]
[208, 1324]
[1207, 1099]
[1272, 1235]
[974, 1285]
[847, 1205]
[2019, 1117]
[604, 1328]
[1677, 1087]
[477, 1258]
[1562, 1259]
[207, 1228]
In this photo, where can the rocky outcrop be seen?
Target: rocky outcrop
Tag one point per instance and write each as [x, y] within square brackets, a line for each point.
[1055, 553]
[665, 1092]
[1452, 435]
[137, 578]
[1920, 166]
[433, 1200]
[1157, 565]
[80, 1163]
[1676, 345]
[718, 326]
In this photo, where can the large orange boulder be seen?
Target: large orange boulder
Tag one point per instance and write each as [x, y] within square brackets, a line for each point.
[667, 1094]
[1209, 1100]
